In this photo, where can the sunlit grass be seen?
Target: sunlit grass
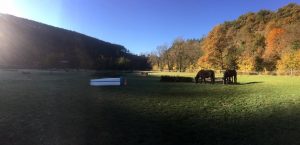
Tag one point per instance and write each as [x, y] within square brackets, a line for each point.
[253, 95]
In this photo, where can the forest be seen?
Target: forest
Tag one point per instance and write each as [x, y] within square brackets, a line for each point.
[29, 44]
[261, 41]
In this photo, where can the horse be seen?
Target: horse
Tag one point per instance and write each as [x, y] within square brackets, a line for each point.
[230, 76]
[202, 74]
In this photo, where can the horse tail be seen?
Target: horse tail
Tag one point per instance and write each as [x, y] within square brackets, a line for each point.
[197, 78]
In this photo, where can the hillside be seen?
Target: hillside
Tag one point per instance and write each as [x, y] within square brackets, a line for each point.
[29, 44]
[259, 41]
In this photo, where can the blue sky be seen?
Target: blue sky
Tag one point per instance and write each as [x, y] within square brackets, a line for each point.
[139, 25]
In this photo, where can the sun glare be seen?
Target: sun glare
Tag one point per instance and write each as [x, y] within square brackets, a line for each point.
[9, 7]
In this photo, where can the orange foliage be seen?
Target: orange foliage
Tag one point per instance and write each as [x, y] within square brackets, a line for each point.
[274, 43]
[203, 62]
[213, 47]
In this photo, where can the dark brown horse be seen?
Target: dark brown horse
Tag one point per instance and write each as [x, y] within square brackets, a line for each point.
[230, 76]
[202, 74]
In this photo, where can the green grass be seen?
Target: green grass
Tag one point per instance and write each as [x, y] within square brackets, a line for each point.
[60, 108]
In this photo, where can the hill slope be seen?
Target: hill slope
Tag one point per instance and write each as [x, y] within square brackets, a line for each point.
[30, 44]
[264, 40]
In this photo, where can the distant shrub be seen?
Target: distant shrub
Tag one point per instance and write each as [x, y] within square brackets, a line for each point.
[175, 79]
[273, 73]
[144, 73]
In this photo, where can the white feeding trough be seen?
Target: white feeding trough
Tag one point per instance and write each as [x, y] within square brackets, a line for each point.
[108, 82]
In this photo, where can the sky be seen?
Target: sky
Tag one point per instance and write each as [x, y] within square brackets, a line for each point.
[139, 25]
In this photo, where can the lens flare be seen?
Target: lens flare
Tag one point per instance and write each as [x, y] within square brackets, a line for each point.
[9, 7]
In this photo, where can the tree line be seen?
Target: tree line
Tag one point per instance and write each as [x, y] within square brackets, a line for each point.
[180, 56]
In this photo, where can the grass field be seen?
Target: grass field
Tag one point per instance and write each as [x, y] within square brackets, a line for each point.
[61, 108]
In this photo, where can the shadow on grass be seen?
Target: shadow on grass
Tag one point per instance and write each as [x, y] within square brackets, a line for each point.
[114, 123]
[246, 83]
[249, 83]
[151, 86]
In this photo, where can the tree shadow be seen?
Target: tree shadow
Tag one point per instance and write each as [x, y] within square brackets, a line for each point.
[249, 83]
[238, 83]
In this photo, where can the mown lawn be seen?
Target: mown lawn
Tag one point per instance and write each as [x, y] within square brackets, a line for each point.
[60, 108]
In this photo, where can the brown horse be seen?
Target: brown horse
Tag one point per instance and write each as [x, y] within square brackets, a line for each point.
[202, 74]
[230, 76]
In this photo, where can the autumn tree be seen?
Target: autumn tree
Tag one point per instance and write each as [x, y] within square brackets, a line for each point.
[213, 46]
[289, 61]
[179, 54]
[185, 54]
[290, 58]
[231, 58]
[154, 60]
[274, 47]
[246, 62]
[193, 48]
[169, 59]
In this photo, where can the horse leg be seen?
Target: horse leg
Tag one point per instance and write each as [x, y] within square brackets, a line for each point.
[196, 80]
[204, 80]
[235, 79]
[212, 79]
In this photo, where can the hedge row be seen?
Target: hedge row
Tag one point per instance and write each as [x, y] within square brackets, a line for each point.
[107, 74]
[175, 79]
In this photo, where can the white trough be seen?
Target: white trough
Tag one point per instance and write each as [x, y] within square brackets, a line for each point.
[108, 82]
